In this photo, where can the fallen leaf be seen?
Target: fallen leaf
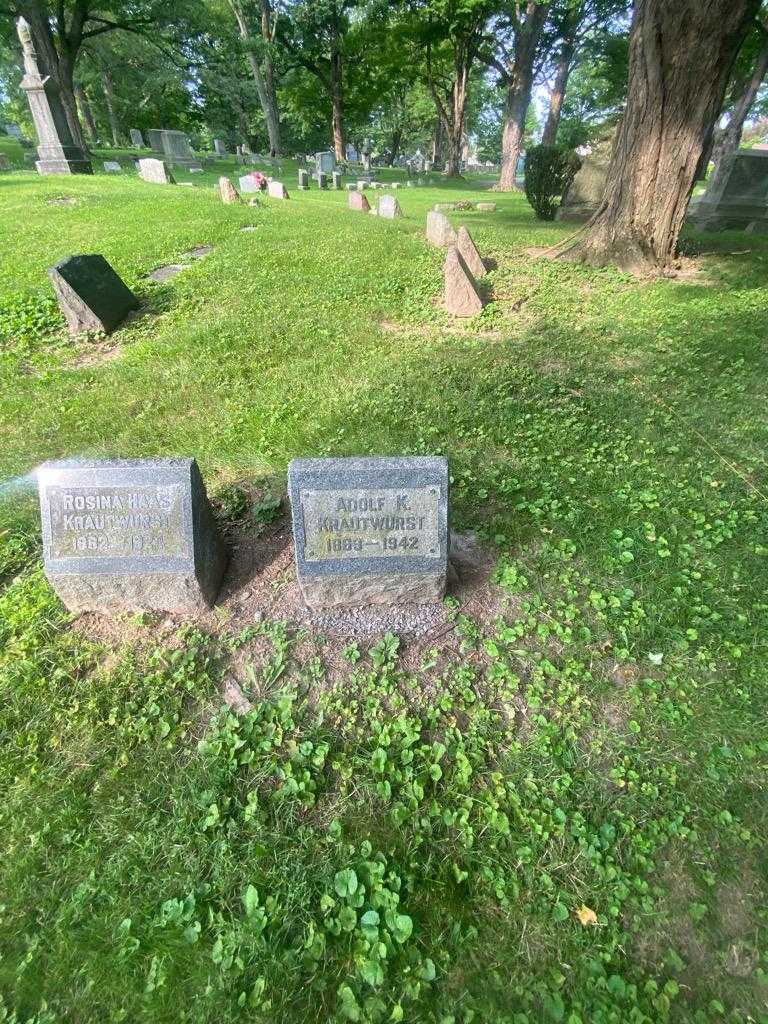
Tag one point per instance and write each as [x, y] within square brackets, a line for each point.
[586, 915]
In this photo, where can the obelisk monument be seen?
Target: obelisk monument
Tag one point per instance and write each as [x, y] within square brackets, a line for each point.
[56, 152]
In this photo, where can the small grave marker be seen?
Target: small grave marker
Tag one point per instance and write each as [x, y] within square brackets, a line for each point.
[370, 530]
[389, 207]
[91, 295]
[155, 171]
[277, 190]
[469, 253]
[227, 191]
[461, 295]
[358, 201]
[303, 179]
[112, 167]
[336, 179]
[248, 184]
[439, 230]
[129, 534]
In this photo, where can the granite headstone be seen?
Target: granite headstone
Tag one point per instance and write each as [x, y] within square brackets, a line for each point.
[277, 190]
[112, 167]
[91, 295]
[370, 530]
[129, 534]
[736, 196]
[137, 139]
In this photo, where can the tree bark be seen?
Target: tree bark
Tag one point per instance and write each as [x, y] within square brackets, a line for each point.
[556, 97]
[272, 113]
[438, 143]
[727, 139]
[86, 113]
[519, 81]
[109, 98]
[337, 96]
[265, 85]
[680, 57]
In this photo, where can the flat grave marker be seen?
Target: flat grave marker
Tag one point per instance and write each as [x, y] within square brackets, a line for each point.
[370, 530]
[129, 534]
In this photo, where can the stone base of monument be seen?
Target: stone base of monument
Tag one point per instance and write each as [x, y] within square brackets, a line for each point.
[370, 530]
[724, 216]
[129, 535]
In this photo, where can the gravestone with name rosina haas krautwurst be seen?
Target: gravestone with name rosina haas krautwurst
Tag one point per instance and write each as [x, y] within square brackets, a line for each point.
[91, 295]
[129, 534]
[370, 530]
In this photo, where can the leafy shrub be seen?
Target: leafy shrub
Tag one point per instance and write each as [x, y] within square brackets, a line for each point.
[27, 317]
[549, 171]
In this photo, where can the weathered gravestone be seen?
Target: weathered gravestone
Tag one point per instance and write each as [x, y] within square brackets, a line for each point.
[460, 291]
[155, 171]
[585, 192]
[469, 253]
[112, 167]
[5, 163]
[737, 195]
[137, 139]
[129, 534]
[91, 295]
[389, 207]
[486, 207]
[439, 230]
[303, 179]
[220, 147]
[227, 191]
[277, 190]
[370, 530]
[248, 183]
[357, 201]
[322, 179]
[324, 162]
[336, 179]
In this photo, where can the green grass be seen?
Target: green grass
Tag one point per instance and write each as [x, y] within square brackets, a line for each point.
[383, 843]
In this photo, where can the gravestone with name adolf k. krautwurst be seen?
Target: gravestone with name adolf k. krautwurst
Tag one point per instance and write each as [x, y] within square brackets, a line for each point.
[125, 534]
[370, 530]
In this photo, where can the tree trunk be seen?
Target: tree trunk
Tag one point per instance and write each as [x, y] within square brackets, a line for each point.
[454, 130]
[519, 79]
[680, 57]
[87, 114]
[727, 140]
[337, 98]
[61, 70]
[265, 82]
[109, 97]
[272, 112]
[556, 97]
[438, 143]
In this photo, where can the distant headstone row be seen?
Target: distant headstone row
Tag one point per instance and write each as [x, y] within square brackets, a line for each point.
[125, 534]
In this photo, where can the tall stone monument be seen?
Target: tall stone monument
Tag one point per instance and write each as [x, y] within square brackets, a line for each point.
[56, 151]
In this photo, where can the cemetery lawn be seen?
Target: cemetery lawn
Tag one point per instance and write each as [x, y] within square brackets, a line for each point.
[559, 811]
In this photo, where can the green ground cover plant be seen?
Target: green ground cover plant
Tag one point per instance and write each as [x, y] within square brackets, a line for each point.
[562, 815]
